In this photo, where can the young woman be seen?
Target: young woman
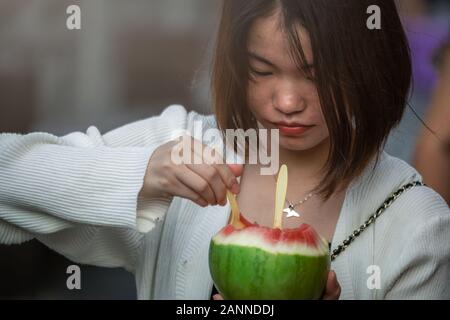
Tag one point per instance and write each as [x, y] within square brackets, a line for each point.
[334, 89]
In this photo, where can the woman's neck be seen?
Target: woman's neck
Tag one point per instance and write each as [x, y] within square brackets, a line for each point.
[307, 163]
[304, 166]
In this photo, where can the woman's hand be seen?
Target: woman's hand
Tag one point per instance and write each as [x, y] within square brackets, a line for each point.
[332, 289]
[205, 184]
[217, 297]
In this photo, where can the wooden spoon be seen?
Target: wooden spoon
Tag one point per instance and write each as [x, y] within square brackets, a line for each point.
[235, 220]
[280, 196]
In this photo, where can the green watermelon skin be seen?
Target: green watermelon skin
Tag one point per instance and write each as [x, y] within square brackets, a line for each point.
[256, 274]
[245, 272]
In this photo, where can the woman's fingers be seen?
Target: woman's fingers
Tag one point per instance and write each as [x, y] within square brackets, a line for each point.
[203, 178]
[333, 289]
[185, 192]
[204, 157]
[228, 177]
[217, 297]
[211, 176]
[212, 169]
[213, 156]
[237, 169]
[196, 183]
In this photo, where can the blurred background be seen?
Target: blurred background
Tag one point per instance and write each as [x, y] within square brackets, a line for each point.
[129, 61]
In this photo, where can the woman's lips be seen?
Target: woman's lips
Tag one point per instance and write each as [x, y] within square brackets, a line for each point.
[291, 130]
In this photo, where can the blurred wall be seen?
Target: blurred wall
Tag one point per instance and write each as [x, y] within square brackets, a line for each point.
[129, 61]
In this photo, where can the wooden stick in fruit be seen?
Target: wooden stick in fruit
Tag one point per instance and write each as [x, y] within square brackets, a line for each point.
[280, 196]
[251, 262]
[235, 220]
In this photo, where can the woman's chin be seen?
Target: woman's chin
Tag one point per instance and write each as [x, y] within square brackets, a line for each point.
[297, 144]
[294, 145]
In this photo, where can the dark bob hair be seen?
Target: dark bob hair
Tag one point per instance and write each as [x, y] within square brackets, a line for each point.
[362, 76]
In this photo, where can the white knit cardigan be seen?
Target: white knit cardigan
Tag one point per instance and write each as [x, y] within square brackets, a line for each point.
[78, 194]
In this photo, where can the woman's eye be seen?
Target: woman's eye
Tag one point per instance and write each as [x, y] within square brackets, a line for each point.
[261, 73]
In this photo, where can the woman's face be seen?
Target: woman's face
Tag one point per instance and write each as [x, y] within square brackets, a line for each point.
[281, 96]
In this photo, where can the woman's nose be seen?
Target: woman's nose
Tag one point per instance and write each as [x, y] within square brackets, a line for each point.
[289, 102]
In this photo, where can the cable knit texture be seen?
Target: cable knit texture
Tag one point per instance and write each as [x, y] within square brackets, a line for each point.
[79, 195]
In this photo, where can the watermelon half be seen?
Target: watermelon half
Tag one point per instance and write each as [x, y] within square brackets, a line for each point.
[253, 262]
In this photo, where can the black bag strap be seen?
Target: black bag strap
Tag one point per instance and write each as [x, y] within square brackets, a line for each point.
[386, 204]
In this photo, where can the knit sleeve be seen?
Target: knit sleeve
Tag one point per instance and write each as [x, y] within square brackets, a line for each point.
[69, 191]
[422, 270]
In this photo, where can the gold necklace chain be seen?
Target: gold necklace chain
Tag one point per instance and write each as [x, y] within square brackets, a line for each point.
[292, 206]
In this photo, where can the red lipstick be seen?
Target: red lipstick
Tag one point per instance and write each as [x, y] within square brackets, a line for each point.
[292, 129]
